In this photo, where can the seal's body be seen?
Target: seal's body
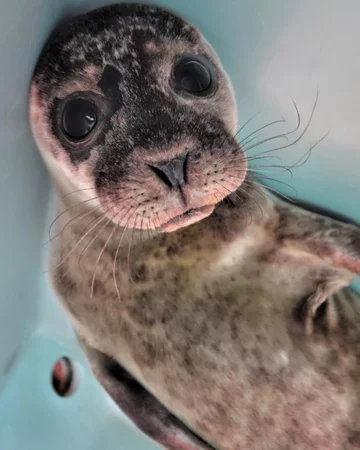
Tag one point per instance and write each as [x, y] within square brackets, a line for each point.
[212, 313]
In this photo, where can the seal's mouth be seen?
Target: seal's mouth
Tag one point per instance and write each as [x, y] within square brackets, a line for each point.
[186, 218]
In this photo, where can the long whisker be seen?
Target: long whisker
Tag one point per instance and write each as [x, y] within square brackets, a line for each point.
[73, 220]
[77, 190]
[265, 177]
[257, 187]
[97, 235]
[300, 162]
[99, 220]
[244, 142]
[151, 228]
[158, 219]
[284, 169]
[100, 255]
[257, 136]
[129, 248]
[303, 160]
[67, 210]
[270, 179]
[82, 232]
[254, 158]
[299, 137]
[141, 228]
[283, 134]
[117, 252]
[246, 123]
[279, 193]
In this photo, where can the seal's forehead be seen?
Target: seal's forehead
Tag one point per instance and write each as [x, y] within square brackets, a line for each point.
[114, 31]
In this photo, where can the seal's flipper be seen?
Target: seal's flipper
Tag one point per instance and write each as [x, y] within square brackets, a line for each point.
[142, 408]
[333, 241]
[336, 243]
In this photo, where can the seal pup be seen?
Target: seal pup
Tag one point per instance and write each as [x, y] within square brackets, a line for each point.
[213, 313]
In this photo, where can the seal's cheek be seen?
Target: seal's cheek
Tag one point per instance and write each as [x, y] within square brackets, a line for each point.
[39, 121]
[57, 159]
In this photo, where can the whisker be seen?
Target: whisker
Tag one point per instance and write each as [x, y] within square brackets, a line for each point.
[82, 231]
[99, 220]
[265, 177]
[67, 210]
[303, 160]
[129, 248]
[279, 193]
[246, 123]
[260, 129]
[78, 190]
[117, 252]
[158, 218]
[259, 175]
[254, 158]
[88, 245]
[148, 229]
[283, 134]
[240, 199]
[141, 228]
[284, 169]
[243, 190]
[299, 163]
[100, 255]
[257, 187]
[73, 220]
[299, 137]
[251, 140]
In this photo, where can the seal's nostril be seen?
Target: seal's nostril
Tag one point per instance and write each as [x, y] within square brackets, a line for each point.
[172, 173]
[161, 175]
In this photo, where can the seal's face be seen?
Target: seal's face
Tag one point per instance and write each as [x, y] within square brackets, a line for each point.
[131, 105]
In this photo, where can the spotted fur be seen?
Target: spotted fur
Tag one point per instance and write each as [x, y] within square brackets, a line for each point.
[232, 329]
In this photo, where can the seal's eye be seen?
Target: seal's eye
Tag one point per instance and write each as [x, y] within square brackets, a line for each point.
[79, 118]
[195, 75]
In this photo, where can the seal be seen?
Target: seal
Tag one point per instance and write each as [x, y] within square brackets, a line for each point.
[215, 314]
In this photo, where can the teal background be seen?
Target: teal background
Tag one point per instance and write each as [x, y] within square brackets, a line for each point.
[273, 51]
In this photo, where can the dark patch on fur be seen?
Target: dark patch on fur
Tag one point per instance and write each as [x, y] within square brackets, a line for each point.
[234, 324]
[354, 439]
[109, 84]
[117, 18]
[140, 311]
[98, 288]
[172, 249]
[63, 281]
[141, 274]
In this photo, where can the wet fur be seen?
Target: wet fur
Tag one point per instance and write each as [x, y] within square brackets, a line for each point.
[223, 322]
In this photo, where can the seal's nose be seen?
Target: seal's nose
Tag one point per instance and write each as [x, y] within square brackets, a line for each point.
[172, 173]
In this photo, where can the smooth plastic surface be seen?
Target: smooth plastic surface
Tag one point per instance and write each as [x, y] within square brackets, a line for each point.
[274, 51]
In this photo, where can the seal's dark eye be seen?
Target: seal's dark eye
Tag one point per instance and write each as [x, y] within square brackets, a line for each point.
[195, 75]
[79, 118]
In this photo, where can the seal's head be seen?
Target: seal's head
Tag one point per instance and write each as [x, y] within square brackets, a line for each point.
[131, 105]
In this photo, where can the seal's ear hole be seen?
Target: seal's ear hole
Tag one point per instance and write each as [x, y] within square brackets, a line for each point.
[65, 377]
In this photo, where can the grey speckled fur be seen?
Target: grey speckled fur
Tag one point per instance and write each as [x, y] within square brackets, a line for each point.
[237, 329]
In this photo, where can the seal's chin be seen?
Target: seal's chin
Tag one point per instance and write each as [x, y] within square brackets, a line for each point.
[186, 218]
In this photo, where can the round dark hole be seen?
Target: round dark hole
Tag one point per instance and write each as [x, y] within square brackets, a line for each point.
[64, 377]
